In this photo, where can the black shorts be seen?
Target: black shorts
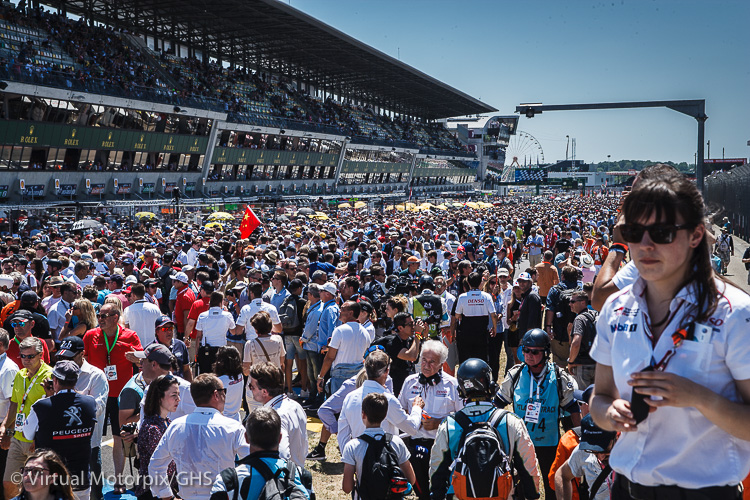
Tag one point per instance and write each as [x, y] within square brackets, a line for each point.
[113, 415]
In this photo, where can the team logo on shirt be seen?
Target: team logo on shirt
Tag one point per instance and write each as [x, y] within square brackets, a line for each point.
[74, 415]
[624, 328]
[631, 312]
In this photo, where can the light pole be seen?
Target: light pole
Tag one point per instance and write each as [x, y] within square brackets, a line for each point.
[567, 145]
[695, 108]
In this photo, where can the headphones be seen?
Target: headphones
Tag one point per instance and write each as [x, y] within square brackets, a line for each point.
[432, 380]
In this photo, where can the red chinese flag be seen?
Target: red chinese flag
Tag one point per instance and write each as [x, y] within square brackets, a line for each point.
[249, 222]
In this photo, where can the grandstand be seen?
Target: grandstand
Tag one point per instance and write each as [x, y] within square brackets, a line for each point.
[128, 101]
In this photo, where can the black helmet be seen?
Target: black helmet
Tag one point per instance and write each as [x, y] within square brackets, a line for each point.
[426, 281]
[536, 337]
[475, 379]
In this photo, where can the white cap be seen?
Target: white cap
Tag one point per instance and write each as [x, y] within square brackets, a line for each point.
[131, 280]
[329, 287]
[180, 277]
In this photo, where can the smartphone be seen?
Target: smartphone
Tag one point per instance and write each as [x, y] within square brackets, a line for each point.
[638, 404]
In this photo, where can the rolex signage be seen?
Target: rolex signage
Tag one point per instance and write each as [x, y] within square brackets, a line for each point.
[42, 134]
[67, 190]
[148, 188]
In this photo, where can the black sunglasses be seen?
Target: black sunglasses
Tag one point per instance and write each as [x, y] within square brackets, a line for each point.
[526, 350]
[660, 233]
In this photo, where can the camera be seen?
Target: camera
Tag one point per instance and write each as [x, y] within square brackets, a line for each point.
[129, 428]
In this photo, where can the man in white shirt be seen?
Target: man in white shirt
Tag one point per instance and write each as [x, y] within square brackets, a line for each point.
[192, 253]
[267, 385]
[349, 341]
[440, 393]
[211, 331]
[350, 419]
[8, 370]
[157, 361]
[141, 315]
[54, 283]
[56, 316]
[248, 311]
[202, 444]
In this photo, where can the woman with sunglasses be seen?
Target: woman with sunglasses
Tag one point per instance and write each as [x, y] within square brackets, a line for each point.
[45, 477]
[673, 362]
[162, 399]
[83, 311]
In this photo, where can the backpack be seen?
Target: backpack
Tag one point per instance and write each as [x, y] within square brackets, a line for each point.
[382, 478]
[481, 469]
[589, 332]
[563, 314]
[276, 487]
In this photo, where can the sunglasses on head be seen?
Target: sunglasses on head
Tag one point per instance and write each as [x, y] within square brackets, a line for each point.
[660, 233]
[372, 349]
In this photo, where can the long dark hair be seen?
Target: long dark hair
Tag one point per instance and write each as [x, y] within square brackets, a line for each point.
[664, 198]
[61, 487]
[228, 362]
[156, 391]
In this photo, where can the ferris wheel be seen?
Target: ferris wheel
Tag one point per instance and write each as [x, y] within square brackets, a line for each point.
[524, 151]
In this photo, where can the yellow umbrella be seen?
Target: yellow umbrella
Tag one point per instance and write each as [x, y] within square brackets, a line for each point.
[221, 216]
[441, 207]
[472, 204]
[145, 215]
[318, 216]
[214, 225]
[399, 208]
[344, 205]
[360, 204]
[457, 205]
[389, 207]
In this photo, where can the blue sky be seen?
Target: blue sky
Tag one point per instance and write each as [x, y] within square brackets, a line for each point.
[569, 51]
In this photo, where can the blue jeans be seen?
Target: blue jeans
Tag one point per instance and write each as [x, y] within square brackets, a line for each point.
[342, 372]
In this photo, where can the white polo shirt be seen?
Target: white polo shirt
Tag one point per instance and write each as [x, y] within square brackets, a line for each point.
[678, 446]
[141, 317]
[214, 323]
[475, 303]
[351, 340]
[440, 400]
[248, 311]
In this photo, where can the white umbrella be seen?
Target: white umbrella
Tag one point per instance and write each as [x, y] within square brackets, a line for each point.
[85, 224]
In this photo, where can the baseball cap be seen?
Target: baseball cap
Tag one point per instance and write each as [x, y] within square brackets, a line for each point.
[524, 277]
[69, 347]
[182, 277]
[127, 261]
[117, 278]
[503, 272]
[156, 352]
[593, 438]
[583, 396]
[163, 320]
[22, 314]
[131, 280]
[66, 370]
[329, 287]
[29, 297]
[412, 259]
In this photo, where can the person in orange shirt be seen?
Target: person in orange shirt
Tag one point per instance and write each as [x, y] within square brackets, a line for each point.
[570, 440]
[547, 275]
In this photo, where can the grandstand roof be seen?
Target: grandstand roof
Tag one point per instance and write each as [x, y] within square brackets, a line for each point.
[267, 34]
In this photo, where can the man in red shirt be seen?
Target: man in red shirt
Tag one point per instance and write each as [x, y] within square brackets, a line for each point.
[23, 323]
[106, 348]
[185, 299]
[149, 262]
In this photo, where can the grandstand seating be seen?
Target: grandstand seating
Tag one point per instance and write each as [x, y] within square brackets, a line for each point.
[93, 57]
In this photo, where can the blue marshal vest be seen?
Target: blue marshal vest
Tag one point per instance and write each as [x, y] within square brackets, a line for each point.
[546, 431]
